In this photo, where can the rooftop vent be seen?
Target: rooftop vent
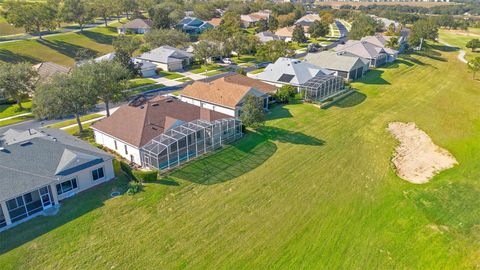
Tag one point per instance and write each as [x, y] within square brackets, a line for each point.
[25, 143]
[155, 105]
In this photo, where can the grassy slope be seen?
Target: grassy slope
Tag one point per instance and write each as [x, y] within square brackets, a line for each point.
[7, 110]
[314, 189]
[459, 41]
[59, 48]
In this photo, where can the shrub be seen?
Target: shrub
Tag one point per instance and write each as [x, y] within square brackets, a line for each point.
[143, 176]
[241, 71]
[134, 188]
[285, 93]
[126, 169]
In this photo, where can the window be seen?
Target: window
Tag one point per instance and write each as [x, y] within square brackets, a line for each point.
[115, 143]
[67, 186]
[132, 159]
[28, 198]
[126, 150]
[97, 174]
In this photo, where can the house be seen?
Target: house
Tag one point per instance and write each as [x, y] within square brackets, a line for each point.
[47, 70]
[147, 69]
[377, 56]
[133, 126]
[167, 58]
[386, 23]
[346, 66]
[215, 22]
[381, 41]
[307, 20]
[226, 95]
[291, 71]
[267, 36]
[137, 26]
[285, 33]
[40, 168]
[106, 57]
[193, 26]
[253, 18]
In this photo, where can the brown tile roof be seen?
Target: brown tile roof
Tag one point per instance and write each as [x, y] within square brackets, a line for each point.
[285, 31]
[138, 23]
[247, 81]
[46, 70]
[224, 91]
[138, 125]
[215, 21]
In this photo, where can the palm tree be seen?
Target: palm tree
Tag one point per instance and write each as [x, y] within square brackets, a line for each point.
[392, 43]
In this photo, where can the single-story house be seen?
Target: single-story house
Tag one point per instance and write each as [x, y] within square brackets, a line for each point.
[377, 56]
[137, 26]
[47, 70]
[147, 69]
[167, 58]
[267, 36]
[133, 126]
[42, 167]
[386, 22]
[346, 66]
[381, 41]
[285, 33]
[307, 20]
[226, 95]
[193, 26]
[291, 71]
[252, 18]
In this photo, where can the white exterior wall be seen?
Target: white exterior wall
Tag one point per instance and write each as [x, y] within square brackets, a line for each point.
[109, 142]
[210, 106]
[85, 179]
[148, 73]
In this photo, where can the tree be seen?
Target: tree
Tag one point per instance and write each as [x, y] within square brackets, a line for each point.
[129, 7]
[231, 22]
[272, 23]
[262, 26]
[285, 92]
[424, 29]
[33, 17]
[272, 50]
[298, 34]
[286, 20]
[63, 96]
[103, 9]
[474, 66]
[124, 47]
[170, 37]
[252, 112]
[242, 43]
[205, 50]
[205, 11]
[319, 29]
[17, 81]
[105, 79]
[473, 44]
[393, 43]
[166, 14]
[327, 17]
[77, 11]
[362, 26]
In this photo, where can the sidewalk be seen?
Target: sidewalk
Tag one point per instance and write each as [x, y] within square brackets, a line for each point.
[15, 116]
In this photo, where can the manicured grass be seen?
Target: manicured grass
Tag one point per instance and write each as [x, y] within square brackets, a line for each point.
[186, 79]
[213, 73]
[140, 82]
[244, 59]
[170, 75]
[16, 120]
[313, 189]
[144, 89]
[8, 110]
[74, 121]
[200, 69]
[60, 48]
[459, 41]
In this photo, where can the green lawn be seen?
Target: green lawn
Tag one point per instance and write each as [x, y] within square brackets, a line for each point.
[186, 79]
[313, 189]
[213, 73]
[170, 75]
[74, 121]
[144, 89]
[60, 48]
[16, 120]
[140, 82]
[459, 41]
[203, 68]
[7, 110]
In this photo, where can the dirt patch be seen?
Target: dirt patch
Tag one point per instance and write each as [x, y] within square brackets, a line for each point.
[417, 159]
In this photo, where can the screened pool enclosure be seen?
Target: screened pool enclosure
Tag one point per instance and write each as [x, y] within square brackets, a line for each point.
[320, 88]
[189, 140]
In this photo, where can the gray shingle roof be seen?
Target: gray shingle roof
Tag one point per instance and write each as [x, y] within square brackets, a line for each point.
[361, 48]
[137, 24]
[30, 163]
[165, 54]
[335, 61]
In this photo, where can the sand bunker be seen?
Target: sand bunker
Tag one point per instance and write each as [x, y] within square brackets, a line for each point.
[417, 158]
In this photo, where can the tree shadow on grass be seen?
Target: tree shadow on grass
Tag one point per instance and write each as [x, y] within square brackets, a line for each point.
[373, 77]
[242, 157]
[9, 56]
[351, 100]
[64, 48]
[70, 209]
[98, 37]
[278, 111]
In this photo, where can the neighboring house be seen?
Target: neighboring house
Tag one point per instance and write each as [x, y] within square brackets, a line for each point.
[386, 23]
[193, 26]
[381, 41]
[291, 71]
[167, 58]
[137, 26]
[147, 69]
[253, 18]
[41, 168]
[47, 70]
[267, 36]
[345, 66]
[307, 20]
[285, 33]
[215, 22]
[106, 57]
[132, 126]
[226, 95]
[377, 56]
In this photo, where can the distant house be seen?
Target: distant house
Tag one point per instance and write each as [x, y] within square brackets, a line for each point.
[133, 126]
[41, 168]
[386, 22]
[226, 95]
[193, 26]
[307, 20]
[137, 26]
[106, 57]
[267, 36]
[316, 83]
[381, 41]
[215, 22]
[253, 18]
[376, 55]
[167, 58]
[345, 66]
[285, 33]
[47, 70]
[147, 69]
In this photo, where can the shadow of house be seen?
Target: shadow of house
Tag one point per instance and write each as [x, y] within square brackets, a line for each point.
[9, 56]
[71, 209]
[98, 37]
[278, 111]
[67, 49]
[374, 77]
[287, 136]
[351, 100]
